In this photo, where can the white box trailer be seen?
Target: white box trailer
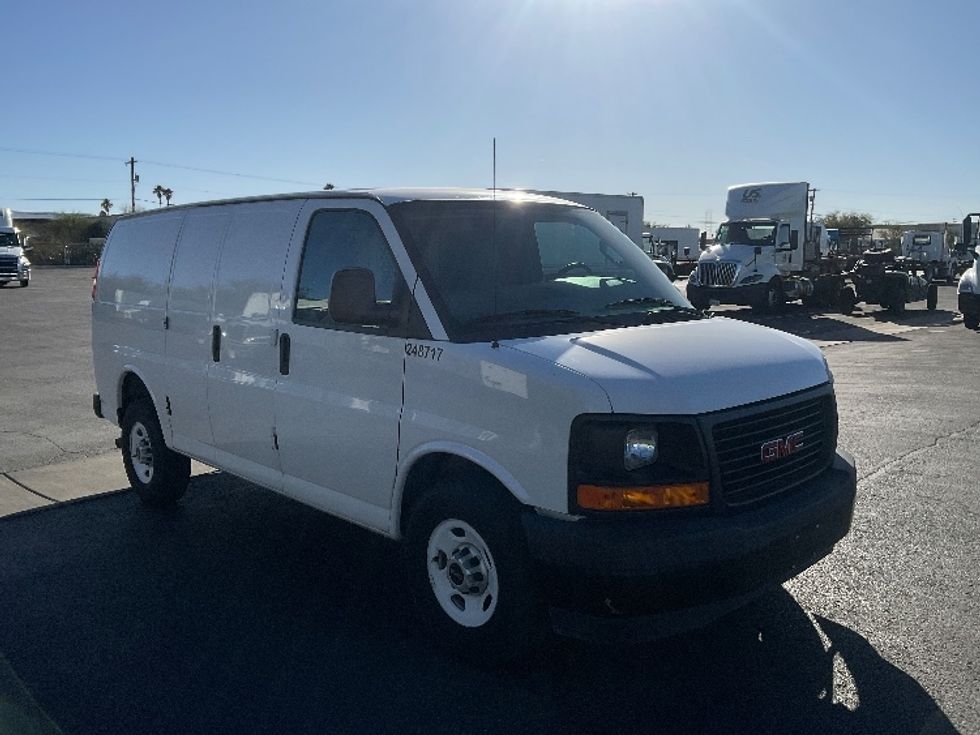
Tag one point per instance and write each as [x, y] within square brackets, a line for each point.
[623, 210]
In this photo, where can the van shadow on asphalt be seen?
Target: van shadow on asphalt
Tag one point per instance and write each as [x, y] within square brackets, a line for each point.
[245, 612]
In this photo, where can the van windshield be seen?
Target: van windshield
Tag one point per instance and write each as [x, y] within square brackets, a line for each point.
[506, 269]
[747, 233]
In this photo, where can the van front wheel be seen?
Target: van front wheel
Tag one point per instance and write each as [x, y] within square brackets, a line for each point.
[158, 475]
[470, 575]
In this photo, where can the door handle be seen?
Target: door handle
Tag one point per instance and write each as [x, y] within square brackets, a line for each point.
[284, 354]
[216, 343]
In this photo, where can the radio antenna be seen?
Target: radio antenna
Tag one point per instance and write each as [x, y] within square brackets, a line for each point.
[495, 168]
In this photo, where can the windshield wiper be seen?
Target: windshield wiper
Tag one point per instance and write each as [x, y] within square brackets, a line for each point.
[641, 301]
[652, 301]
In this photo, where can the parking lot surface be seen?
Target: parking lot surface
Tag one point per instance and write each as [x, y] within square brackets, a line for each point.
[242, 611]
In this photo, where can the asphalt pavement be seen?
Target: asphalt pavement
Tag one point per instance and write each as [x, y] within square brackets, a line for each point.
[243, 611]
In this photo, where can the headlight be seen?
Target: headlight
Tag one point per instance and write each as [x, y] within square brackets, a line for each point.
[619, 463]
[640, 449]
[754, 278]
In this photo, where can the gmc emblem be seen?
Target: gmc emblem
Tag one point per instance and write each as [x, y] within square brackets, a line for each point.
[783, 447]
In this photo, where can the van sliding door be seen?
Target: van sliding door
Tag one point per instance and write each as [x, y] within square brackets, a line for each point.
[242, 343]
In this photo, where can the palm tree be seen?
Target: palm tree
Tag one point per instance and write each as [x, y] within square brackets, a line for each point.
[167, 193]
[158, 192]
[106, 206]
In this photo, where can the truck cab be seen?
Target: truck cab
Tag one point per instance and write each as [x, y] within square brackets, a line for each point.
[748, 264]
[930, 252]
[14, 265]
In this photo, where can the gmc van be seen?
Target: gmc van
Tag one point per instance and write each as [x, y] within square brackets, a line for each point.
[503, 382]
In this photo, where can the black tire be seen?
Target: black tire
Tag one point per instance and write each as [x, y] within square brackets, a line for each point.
[846, 300]
[896, 302]
[165, 481]
[698, 302]
[932, 297]
[773, 299]
[971, 321]
[515, 624]
[2, 284]
[25, 284]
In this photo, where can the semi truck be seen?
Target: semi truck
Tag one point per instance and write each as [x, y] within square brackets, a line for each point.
[768, 251]
[930, 251]
[14, 265]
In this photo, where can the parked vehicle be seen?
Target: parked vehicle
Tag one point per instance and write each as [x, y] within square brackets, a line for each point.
[929, 251]
[14, 265]
[768, 252]
[666, 267]
[503, 382]
[678, 245]
[968, 289]
[880, 277]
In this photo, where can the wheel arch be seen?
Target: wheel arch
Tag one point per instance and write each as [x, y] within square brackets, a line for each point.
[133, 386]
[423, 466]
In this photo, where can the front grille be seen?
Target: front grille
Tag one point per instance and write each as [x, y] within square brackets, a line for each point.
[739, 446]
[8, 265]
[717, 274]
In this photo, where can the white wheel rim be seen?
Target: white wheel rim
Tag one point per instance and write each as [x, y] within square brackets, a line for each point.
[141, 452]
[462, 573]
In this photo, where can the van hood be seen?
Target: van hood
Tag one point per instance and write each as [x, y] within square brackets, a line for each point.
[686, 367]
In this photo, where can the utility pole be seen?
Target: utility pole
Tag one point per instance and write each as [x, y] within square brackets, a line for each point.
[133, 180]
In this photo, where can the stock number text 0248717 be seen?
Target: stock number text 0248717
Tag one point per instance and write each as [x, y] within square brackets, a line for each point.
[423, 352]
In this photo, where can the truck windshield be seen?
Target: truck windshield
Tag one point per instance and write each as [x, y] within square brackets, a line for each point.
[747, 233]
[506, 269]
[8, 240]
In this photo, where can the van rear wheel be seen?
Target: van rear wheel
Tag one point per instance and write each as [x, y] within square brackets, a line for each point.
[157, 474]
[470, 575]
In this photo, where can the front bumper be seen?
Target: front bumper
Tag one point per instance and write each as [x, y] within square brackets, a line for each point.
[740, 295]
[643, 578]
[969, 303]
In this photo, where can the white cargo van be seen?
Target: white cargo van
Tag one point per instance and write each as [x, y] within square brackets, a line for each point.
[502, 381]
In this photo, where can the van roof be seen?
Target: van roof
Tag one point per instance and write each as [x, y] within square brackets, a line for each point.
[384, 196]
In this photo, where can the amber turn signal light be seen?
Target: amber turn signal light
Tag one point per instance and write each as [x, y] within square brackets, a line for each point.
[650, 497]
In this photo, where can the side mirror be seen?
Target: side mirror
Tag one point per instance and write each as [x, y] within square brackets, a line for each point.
[794, 246]
[794, 240]
[353, 299]
[702, 241]
[757, 250]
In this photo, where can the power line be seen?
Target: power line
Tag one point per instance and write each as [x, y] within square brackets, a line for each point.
[62, 154]
[229, 173]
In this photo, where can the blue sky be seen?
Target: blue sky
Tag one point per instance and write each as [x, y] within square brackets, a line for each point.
[874, 102]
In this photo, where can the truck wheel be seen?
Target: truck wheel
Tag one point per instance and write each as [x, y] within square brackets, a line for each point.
[932, 297]
[773, 299]
[971, 321]
[896, 302]
[25, 284]
[698, 302]
[157, 474]
[846, 300]
[470, 574]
